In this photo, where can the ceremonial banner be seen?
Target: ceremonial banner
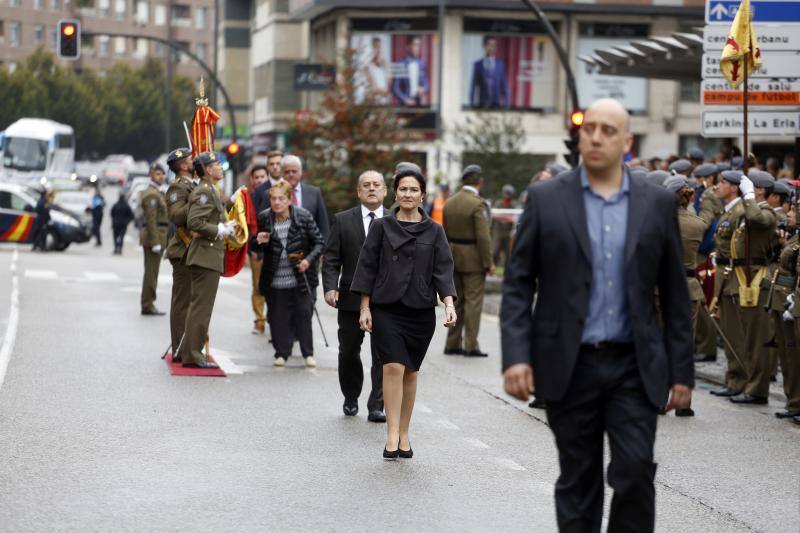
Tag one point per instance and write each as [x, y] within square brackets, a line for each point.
[741, 50]
[236, 245]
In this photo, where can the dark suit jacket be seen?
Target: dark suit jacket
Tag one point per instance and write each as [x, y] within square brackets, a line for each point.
[552, 255]
[341, 256]
[311, 201]
[405, 264]
[489, 89]
[260, 196]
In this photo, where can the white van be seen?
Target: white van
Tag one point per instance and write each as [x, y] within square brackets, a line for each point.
[36, 148]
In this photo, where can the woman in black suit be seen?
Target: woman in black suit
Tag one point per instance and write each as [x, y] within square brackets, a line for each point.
[291, 244]
[404, 263]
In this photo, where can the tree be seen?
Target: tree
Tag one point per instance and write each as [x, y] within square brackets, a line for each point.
[494, 141]
[346, 137]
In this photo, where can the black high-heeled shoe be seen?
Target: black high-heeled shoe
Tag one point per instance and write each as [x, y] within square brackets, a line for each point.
[391, 455]
[405, 454]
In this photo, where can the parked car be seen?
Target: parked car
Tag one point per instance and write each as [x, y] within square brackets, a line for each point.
[77, 203]
[18, 216]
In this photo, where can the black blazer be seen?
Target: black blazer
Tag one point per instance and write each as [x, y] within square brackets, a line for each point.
[260, 196]
[405, 264]
[311, 198]
[341, 256]
[552, 255]
[303, 237]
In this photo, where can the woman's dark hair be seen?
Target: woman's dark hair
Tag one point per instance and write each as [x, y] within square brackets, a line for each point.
[405, 174]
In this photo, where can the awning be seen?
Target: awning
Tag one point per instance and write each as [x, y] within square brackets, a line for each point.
[676, 57]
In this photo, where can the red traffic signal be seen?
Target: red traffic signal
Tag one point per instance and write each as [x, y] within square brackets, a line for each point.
[232, 149]
[576, 118]
[69, 39]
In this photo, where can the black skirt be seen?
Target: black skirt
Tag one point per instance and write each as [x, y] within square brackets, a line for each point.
[402, 334]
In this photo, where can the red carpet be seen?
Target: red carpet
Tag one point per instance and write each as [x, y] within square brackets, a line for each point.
[177, 370]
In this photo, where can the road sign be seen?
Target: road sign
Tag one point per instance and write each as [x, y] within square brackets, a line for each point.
[771, 37]
[723, 11]
[753, 98]
[782, 64]
[760, 123]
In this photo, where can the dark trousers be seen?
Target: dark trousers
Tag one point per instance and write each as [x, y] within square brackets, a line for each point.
[204, 285]
[152, 263]
[96, 231]
[289, 318]
[179, 301]
[351, 372]
[606, 394]
[119, 237]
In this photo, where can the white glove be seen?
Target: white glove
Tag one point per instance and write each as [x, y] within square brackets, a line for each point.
[224, 231]
[746, 186]
[156, 249]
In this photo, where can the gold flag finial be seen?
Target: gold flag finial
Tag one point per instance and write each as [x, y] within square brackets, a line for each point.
[202, 100]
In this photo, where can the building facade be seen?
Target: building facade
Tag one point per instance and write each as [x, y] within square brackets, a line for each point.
[27, 25]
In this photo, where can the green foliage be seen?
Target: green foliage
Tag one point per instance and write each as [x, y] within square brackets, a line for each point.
[120, 112]
[345, 138]
[494, 141]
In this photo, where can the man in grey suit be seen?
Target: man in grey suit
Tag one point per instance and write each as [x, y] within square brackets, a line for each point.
[594, 246]
[303, 195]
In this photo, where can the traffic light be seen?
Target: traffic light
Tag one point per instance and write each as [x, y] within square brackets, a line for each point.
[69, 39]
[575, 123]
[232, 149]
[230, 152]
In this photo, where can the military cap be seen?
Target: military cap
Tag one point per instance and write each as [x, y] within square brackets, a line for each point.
[761, 179]
[156, 166]
[737, 163]
[508, 188]
[732, 176]
[781, 188]
[638, 172]
[696, 153]
[206, 158]
[705, 170]
[177, 154]
[723, 166]
[681, 166]
[657, 176]
[556, 168]
[470, 170]
[675, 183]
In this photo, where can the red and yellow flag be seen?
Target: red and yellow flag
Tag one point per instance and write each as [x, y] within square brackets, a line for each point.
[741, 49]
[203, 124]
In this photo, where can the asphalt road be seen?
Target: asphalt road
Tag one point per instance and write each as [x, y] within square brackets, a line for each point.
[95, 435]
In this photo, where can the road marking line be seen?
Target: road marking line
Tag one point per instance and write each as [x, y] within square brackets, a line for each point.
[477, 443]
[422, 408]
[223, 359]
[447, 424]
[33, 273]
[509, 463]
[10, 337]
[101, 276]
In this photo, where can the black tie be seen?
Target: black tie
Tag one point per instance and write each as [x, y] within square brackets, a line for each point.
[371, 220]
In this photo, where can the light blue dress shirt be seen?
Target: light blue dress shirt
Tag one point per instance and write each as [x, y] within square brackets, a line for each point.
[607, 223]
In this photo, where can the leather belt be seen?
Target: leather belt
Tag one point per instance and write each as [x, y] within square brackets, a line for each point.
[462, 241]
[607, 345]
[691, 273]
[755, 261]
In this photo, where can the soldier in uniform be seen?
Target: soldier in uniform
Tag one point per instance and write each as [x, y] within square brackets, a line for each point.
[692, 229]
[205, 259]
[153, 237]
[683, 167]
[503, 227]
[744, 234]
[760, 349]
[180, 162]
[784, 314]
[467, 230]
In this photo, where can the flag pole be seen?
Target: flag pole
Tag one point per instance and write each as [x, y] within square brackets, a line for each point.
[746, 158]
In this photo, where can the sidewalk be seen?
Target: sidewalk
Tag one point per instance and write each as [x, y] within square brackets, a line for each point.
[711, 372]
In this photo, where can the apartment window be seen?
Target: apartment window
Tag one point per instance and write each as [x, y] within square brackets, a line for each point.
[141, 48]
[54, 39]
[200, 14]
[119, 46]
[103, 45]
[160, 15]
[55, 5]
[179, 56]
[2, 34]
[13, 3]
[201, 51]
[119, 9]
[160, 50]
[690, 91]
[181, 16]
[38, 5]
[38, 35]
[12, 66]
[103, 8]
[14, 34]
[142, 12]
